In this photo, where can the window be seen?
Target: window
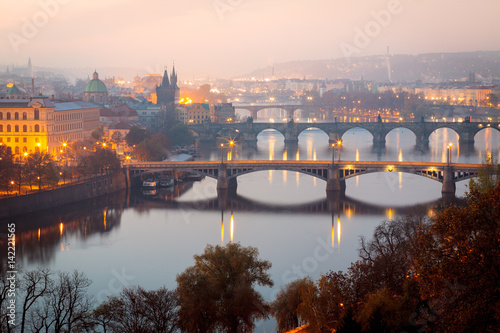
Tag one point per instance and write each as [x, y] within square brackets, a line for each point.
[37, 114]
[8, 139]
[1, 115]
[9, 129]
[1, 128]
[25, 128]
[8, 115]
[17, 150]
[16, 128]
[25, 139]
[16, 139]
[25, 149]
[37, 128]
[25, 116]
[16, 116]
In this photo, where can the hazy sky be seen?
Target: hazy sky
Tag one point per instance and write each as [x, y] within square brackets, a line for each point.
[231, 37]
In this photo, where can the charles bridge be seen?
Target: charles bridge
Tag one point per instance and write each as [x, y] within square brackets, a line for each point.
[247, 132]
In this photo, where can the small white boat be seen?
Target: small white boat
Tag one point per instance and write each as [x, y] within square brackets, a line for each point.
[149, 183]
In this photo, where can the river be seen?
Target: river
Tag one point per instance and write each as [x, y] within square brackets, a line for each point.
[129, 239]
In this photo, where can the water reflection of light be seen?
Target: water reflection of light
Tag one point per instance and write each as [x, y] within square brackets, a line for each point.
[104, 213]
[357, 154]
[348, 212]
[62, 247]
[38, 234]
[297, 156]
[314, 155]
[389, 214]
[333, 233]
[400, 155]
[284, 171]
[338, 231]
[61, 228]
[309, 148]
[222, 233]
[232, 227]
[400, 174]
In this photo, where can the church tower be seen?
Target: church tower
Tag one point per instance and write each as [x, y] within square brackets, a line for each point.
[168, 92]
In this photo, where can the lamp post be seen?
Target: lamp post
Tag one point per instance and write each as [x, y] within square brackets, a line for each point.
[333, 153]
[231, 144]
[222, 153]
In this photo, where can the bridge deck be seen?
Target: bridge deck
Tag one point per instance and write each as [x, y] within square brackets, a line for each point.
[267, 163]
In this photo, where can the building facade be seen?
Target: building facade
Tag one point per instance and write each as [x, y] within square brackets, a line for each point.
[37, 124]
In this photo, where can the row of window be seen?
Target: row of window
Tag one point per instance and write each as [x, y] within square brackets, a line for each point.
[67, 127]
[16, 139]
[16, 115]
[68, 116]
[25, 128]
[17, 150]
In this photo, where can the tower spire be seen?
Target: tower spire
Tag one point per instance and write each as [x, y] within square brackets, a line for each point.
[173, 76]
[165, 82]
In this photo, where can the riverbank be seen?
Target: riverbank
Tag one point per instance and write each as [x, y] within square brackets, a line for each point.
[39, 201]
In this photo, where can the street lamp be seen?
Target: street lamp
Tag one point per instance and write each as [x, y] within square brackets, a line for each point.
[333, 153]
[449, 152]
[222, 153]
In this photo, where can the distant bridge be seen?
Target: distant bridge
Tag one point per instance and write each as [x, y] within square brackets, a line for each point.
[248, 131]
[289, 108]
[334, 174]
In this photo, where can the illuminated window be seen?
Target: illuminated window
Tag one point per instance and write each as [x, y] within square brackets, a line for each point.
[9, 128]
[37, 114]
[16, 116]
[8, 115]
[1, 128]
[37, 128]
[1, 115]
[25, 128]
[25, 116]
[25, 139]
[16, 128]
[17, 150]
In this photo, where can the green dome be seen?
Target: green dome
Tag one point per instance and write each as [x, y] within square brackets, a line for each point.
[95, 85]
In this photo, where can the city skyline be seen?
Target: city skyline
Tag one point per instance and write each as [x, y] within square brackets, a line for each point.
[225, 38]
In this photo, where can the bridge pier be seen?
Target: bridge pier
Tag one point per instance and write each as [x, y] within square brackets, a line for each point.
[291, 137]
[223, 183]
[249, 138]
[422, 143]
[448, 181]
[334, 183]
[333, 137]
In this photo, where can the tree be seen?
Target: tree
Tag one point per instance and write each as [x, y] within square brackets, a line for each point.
[458, 264]
[217, 293]
[153, 149]
[135, 136]
[117, 137]
[6, 167]
[34, 285]
[39, 165]
[97, 134]
[138, 310]
[487, 177]
[180, 135]
[285, 306]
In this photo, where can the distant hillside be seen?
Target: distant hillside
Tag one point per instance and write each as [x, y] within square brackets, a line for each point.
[430, 67]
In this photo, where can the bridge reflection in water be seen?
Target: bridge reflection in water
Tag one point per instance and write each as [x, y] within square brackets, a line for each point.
[335, 204]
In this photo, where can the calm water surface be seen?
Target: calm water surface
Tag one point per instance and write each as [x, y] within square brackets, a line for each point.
[129, 239]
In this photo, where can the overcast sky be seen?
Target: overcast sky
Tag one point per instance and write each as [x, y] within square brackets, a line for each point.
[231, 37]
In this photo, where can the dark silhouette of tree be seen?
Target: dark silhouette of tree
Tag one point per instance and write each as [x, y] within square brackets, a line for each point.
[34, 285]
[285, 306]
[6, 167]
[39, 166]
[138, 310]
[458, 264]
[152, 149]
[217, 293]
[135, 136]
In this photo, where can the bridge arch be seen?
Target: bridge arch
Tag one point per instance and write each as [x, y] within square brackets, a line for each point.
[485, 127]
[271, 128]
[456, 137]
[312, 127]
[342, 133]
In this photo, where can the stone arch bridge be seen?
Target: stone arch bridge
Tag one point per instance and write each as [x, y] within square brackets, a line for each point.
[248, 131]
[334, 174]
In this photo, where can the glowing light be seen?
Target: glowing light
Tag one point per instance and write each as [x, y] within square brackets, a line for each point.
[61, 228]
[333, 234]
[338, 231]
[38, 234]
[222, 233]
[390, 214]
[232, 227]
[10, 85]
[105, 211]
[391, 168]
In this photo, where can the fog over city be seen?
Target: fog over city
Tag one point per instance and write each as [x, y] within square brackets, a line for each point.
[226, 38]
